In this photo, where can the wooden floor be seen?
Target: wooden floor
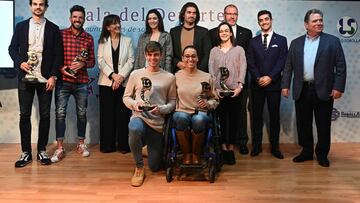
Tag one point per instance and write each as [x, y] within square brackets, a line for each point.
[106, 178]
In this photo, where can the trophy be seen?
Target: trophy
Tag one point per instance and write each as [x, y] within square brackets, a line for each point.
[82, 57]
[205, 94]
[224, 75]
[32, 61]
[146, 86]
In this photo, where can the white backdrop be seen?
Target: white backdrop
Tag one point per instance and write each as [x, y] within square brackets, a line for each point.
[288, 21]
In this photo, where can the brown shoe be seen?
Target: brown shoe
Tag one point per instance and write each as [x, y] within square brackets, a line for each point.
[183, 138]
[138, 177]
[197, 145]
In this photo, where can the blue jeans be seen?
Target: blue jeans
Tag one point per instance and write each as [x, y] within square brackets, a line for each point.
[141, 134]
[199, 122]
[62, 94]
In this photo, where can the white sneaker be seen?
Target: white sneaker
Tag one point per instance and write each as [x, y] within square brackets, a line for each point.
[83, 150]
[59, 154]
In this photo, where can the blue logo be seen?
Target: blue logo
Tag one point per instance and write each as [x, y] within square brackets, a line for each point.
[347, 26]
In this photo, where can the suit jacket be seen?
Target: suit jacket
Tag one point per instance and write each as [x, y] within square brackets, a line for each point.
[52, 55]
[329, 67]
[201, 42]
[106, 66]
[270, 62]
[166, 44]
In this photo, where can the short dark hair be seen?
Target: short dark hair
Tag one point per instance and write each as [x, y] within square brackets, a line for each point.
[46, 3]
[77, 8]
[312, 11]
[153, 46]
[160, 19]
[189, 47]
[232, 38]
[264, 12]
[183, 10]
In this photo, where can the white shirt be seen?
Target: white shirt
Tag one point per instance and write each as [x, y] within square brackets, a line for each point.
[234, 28]
[268, 38]
[36, 43]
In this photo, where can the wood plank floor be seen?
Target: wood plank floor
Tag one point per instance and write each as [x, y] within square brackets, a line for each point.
[106, 178]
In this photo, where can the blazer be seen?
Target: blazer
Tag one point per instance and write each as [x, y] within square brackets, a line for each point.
[329, 67]
[270, 62]
[166, 44]
[201, 42]
[243, 35]
[105, 62]
[52, 55]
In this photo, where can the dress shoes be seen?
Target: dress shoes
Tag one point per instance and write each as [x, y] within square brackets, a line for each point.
[277, 154]
[243, 150]
[302, 158]
[256, 150]
[324, 162]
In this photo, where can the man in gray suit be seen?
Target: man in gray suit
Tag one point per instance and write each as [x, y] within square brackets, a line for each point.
[318, 63]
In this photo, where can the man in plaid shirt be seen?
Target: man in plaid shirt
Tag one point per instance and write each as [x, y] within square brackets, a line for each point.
[78, 56]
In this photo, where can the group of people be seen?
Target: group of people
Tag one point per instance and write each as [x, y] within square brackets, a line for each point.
[189, 71]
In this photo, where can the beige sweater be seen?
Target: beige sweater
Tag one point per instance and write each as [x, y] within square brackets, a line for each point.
[188, 87]
[162, 93]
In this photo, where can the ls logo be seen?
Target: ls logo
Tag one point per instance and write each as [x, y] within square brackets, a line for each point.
[347, 26]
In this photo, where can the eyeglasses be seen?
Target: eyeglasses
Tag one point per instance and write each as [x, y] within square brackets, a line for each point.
[231, 14]
[187, 57]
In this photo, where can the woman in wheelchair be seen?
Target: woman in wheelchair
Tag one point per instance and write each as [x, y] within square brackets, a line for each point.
[195, 97]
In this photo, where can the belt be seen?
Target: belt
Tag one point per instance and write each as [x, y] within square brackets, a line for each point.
[309, 83]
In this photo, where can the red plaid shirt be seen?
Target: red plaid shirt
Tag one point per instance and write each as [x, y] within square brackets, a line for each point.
[72, 46]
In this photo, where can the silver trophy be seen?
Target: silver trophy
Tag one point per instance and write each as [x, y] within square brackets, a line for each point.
[224, 75]
[146, 86]
[32, 61]
[82, 57]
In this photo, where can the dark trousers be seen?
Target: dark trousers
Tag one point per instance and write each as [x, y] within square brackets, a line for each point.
[272, 98]
[229, 115]
[26, 94]
[306, 106]
[114, 119]
[242, 136]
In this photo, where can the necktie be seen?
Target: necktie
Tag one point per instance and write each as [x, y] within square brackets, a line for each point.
[265, 41]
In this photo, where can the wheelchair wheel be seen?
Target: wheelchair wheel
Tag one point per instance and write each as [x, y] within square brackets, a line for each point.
[169, 174]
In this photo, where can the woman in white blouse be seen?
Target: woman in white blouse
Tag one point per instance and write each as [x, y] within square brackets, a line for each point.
[116, 60]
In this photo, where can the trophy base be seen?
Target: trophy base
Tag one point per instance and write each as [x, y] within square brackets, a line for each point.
[146, 108]
[71, 72]
[32, 80]
[227, 93]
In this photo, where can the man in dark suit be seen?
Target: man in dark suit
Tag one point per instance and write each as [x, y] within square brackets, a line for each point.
[242, 37]
[41, 37]
[189, 33]
[318, 63]
[266, 59]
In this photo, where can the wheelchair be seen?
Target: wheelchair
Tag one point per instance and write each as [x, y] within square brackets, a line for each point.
[211, 158]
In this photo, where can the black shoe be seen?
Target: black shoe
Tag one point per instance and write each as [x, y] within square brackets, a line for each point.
[243, 149]
[302, 157]
[225, 157]
[25, 159]
[231, 158]
[277, 154]
[255, 151]
[324, 162]
[43, 158]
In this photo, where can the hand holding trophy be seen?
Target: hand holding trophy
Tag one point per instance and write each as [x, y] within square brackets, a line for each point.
[204, 95]
[224, 75]
[32, 61]
[146, 86]
[82, 57]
